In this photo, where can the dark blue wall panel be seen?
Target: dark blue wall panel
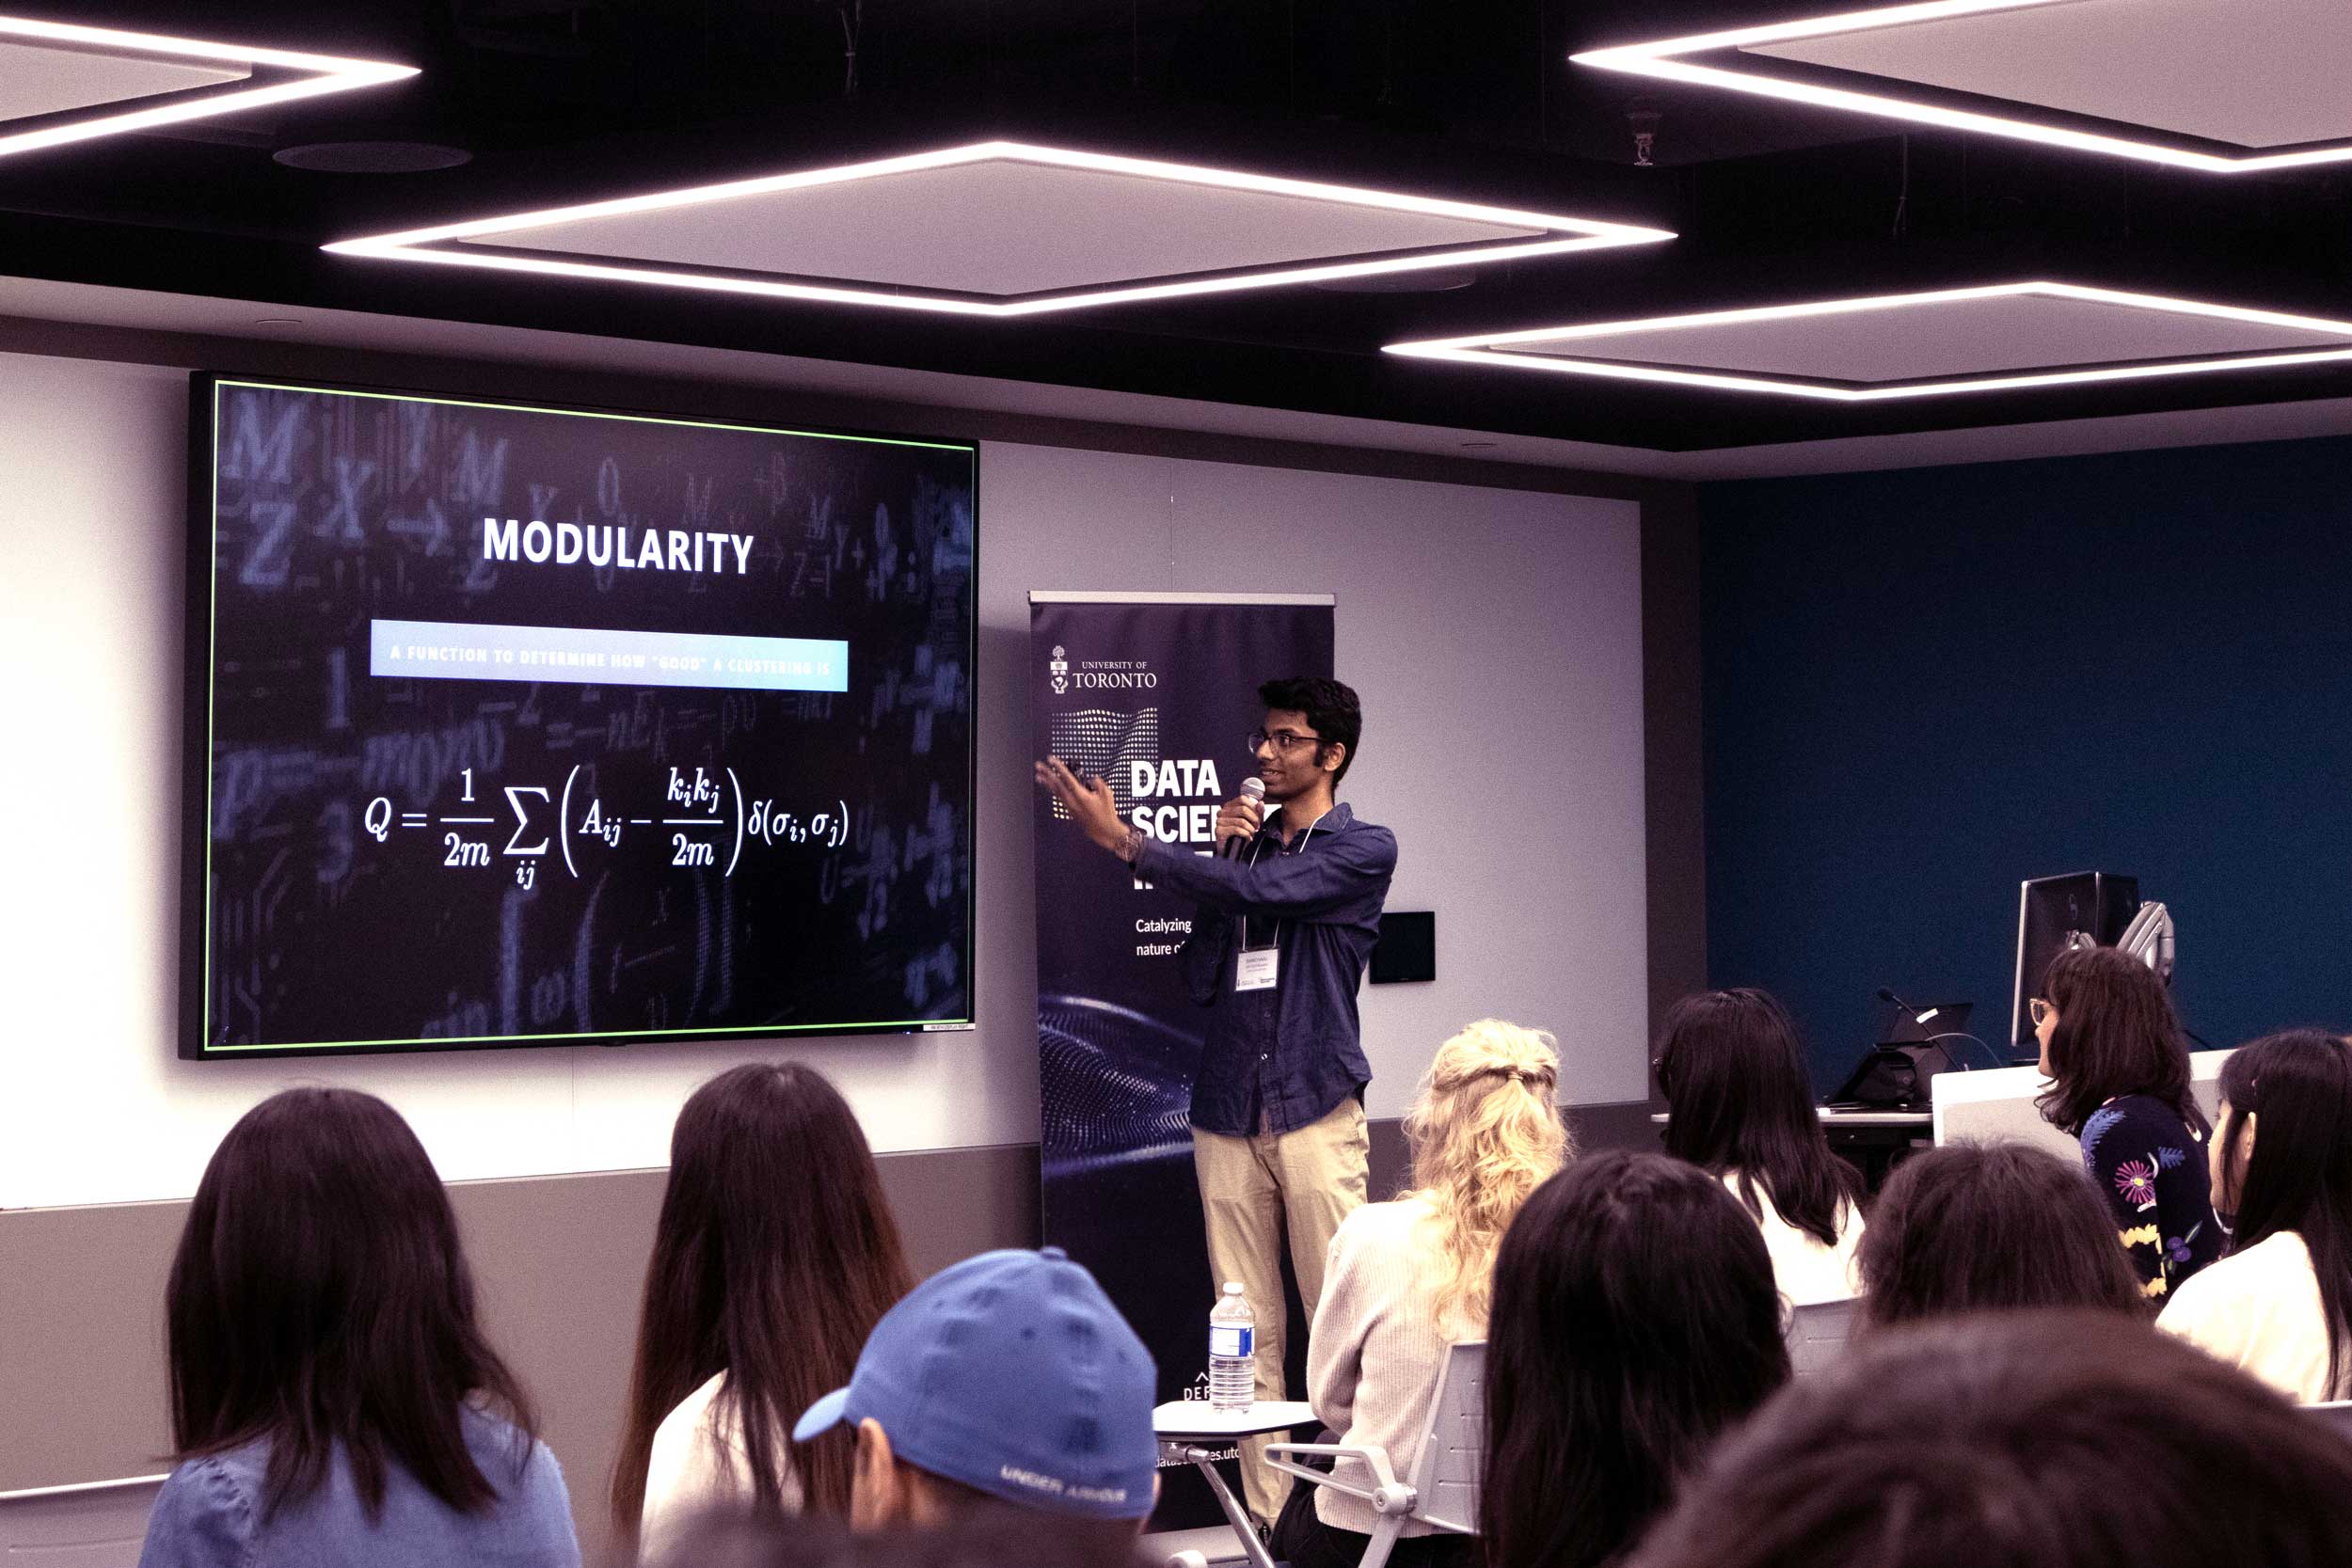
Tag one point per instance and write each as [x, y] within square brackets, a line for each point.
[1923, 685]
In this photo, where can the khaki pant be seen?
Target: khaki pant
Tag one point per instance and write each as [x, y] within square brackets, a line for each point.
[1253, 1188]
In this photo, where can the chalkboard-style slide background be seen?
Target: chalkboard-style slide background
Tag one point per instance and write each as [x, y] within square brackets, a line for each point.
[513, 726]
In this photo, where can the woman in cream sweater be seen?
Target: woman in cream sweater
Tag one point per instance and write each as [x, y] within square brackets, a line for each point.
[1407, 1278]
[1741, 1109]
[2277, 1304]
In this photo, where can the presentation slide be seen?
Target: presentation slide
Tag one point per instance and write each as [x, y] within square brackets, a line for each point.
[513, 726]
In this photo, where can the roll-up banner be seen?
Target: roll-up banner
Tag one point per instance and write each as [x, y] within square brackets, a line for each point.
[1155, 693]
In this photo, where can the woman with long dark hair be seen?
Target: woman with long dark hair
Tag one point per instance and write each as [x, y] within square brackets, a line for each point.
[2279, 1304]
[1732, 1069]
[1634, 1319]
[1975, 1227]
[2017, 1440]
[774, 1257]
[332, 1396]
[2118, 1074]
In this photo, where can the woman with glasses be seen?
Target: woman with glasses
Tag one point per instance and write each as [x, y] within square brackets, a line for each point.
[2120, 1082]
[1733, 1074]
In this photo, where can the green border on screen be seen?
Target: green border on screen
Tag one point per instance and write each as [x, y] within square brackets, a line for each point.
[196, 900]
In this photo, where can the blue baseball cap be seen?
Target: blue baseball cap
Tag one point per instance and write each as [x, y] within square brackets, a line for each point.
[1012, 1374]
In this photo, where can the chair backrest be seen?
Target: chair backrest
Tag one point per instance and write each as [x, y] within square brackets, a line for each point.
[1453, 1454]
[2336, 1415]
[1818, 1331]
[98, 1525]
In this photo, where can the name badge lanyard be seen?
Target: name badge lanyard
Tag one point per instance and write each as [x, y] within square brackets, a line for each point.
[1259, 967]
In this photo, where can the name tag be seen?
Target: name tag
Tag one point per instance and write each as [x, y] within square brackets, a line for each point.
[1256, 968]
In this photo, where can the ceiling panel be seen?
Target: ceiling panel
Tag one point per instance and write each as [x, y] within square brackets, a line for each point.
[48, 79]
[1003, 228]
[2271, 74]
[1966, 337]
[564, 102]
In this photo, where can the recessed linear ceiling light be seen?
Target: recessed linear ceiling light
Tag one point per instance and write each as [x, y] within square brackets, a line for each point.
[1536, 349]
[1736, 66]
[1085, 254]
[166, 67]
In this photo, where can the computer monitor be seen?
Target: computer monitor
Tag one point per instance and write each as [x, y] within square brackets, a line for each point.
[2084, 908]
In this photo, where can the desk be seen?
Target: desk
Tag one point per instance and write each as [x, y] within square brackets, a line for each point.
[1846, 1115]
[1835, 1116]
[1876, 1141]
[1192, 1432]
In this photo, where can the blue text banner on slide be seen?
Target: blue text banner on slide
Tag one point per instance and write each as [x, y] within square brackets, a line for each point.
[444, 650]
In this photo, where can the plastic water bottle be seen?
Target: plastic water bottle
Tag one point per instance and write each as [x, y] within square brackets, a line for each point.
[1232, 1345]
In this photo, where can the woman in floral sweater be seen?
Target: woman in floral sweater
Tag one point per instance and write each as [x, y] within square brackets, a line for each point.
[2120, 1082]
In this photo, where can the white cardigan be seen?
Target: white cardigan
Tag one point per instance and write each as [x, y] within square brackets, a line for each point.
[2260, 1310]
[1804, 1269]
[1374, 1353]
[698, 1465]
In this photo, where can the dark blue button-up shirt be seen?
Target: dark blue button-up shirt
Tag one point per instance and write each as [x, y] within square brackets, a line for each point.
[1280, 1059]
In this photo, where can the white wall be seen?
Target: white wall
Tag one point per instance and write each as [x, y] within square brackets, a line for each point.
[1494, 635]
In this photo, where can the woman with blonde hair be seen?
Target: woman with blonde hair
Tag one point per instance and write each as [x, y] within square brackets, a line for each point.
[1407, 1278]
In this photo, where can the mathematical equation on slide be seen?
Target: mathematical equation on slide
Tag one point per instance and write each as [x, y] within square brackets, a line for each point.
[701, 822]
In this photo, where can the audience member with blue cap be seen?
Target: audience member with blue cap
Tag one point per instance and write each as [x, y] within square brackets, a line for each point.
[1009, 1379]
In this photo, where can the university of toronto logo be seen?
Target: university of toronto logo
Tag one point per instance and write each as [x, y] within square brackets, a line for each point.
[1059, 668]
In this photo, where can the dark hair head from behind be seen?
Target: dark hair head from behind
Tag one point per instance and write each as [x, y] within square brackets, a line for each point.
[1329, 705]
[996, 1536]
[1976, 1226]
[1634, 1319]
[2018, 1440]
[1732, 1067]
[320, 1300]
[774, 1256]
[2116, 1034]
[2294, 1091]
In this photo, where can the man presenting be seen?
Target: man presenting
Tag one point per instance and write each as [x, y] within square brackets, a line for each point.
[1278, 945]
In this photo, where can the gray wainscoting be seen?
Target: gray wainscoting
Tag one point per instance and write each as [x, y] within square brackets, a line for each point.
[560, 1261]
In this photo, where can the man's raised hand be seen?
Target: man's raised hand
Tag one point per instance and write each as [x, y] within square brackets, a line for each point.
[1087, 800]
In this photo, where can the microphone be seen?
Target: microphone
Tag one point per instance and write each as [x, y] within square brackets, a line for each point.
[1253, 791]
[1937, 1039]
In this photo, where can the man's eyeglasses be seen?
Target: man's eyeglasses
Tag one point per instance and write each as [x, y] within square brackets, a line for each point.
[2039, 1010]
[1283, 741]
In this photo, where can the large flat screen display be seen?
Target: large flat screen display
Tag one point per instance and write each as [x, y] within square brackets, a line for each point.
[515, 725]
